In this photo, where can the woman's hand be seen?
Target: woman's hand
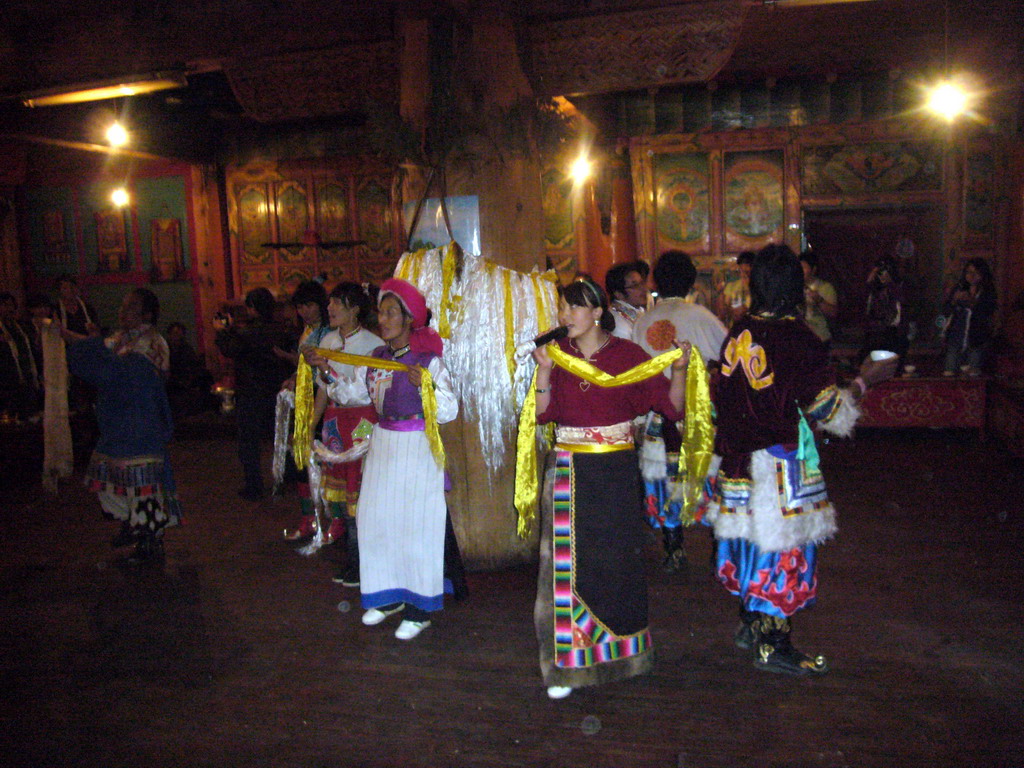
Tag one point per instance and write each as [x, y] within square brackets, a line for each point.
[542, 358]
[415, 375]
[682, 363]
[315, 359]
[289, 384]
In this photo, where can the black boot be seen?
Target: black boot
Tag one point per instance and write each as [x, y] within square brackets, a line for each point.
[147, 549]
[746, 636]
[349, 575]
[775, 651]
[124, 537]
[675, 558]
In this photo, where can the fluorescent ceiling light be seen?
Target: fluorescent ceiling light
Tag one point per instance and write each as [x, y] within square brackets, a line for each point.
[110, 89]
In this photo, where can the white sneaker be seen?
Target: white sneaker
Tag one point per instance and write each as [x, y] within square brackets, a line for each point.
[377, 615]
[558, 691]
[407, 630]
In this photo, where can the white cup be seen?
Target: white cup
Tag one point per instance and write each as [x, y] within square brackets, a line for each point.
[882, 354]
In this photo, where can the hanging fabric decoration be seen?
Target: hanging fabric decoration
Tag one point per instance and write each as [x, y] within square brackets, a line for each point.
[526, 490]
[449, 263]
[490, 309]
[510, 326]
[57, 449]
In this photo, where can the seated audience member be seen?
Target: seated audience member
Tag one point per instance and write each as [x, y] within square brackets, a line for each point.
[737, 292]
[970, 307]
[820, 303]
[75, 313]
[627, 287]
[883, 313]
[20, 374]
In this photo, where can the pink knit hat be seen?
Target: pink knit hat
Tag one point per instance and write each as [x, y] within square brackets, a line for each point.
[423, 338]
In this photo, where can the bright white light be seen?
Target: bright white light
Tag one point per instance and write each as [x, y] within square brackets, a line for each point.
[581, 168]
[120, 197]
[117, 135]
[948, 100]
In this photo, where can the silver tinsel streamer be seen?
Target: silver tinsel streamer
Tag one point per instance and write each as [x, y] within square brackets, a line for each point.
[282, 433]
[475, 353]
[316, 495]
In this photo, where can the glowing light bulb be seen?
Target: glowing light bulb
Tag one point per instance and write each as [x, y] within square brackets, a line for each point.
[948, 100]
[117, 135]
[581, 168]
[120, 197]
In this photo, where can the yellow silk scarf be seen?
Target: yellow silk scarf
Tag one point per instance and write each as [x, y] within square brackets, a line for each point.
[304, 400]
[698, 407]
[698, 438]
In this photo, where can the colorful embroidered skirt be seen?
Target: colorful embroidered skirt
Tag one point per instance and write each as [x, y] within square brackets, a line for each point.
[138, 490]
[776, 583]
[591, 609]
[341, 428]
[768, 527]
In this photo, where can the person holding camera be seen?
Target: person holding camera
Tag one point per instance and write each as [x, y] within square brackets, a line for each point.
[970, 308]
[883, 313]
[259, 371]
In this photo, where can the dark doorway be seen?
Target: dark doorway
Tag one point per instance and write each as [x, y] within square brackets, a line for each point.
[850, 241]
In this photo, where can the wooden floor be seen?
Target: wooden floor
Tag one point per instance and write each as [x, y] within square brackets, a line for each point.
[239, 651]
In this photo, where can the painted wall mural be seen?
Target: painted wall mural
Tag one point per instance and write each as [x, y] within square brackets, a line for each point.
[681, 200]
[899, 166]
[753, 199]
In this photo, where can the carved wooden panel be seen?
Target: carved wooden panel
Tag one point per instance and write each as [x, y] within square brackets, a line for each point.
[633, 49]
[253, 223]
[295, 224]
[318, 82]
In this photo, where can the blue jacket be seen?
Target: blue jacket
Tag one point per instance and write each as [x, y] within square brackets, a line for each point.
[131, 404]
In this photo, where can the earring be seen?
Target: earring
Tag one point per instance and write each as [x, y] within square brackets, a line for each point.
[597, 322]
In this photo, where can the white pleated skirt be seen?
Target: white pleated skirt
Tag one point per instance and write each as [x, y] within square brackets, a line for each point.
[401, 518]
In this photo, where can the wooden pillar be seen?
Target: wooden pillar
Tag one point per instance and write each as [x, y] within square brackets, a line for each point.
[488, 84]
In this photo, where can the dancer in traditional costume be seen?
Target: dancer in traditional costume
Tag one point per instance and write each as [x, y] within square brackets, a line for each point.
[349, 307]
[130, 470]
[402, 510]
[310, 302]
[591, 609]
[672, 318]
[769, 508]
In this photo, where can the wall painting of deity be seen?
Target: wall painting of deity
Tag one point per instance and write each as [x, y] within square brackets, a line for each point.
[111, 242]
[753, 199]
[681, 201]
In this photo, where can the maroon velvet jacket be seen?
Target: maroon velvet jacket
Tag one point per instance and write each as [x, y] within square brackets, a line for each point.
[770, 370]
[597, 406]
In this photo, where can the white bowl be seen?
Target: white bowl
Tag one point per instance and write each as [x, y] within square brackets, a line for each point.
[882, 354]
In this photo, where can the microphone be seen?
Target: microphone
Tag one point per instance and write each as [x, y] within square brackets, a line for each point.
[553, 335]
